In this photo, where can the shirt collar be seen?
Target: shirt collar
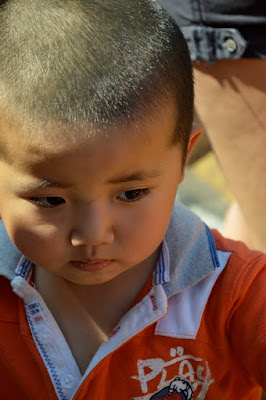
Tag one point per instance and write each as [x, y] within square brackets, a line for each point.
[192, 252]
[10, 256]
[24, 268]
[188, 252]
[162, 271]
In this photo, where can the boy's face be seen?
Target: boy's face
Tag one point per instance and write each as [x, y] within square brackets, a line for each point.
[92, 210]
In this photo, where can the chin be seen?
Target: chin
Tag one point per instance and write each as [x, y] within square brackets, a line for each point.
[89, 281]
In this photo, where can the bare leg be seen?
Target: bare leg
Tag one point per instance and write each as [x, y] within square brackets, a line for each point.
[231, 101]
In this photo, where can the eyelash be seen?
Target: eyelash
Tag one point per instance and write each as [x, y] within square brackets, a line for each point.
[43, 203]
[53, 202]
[140, 194]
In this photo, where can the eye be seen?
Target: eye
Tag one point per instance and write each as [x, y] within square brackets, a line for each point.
[133, 195]
[47, 202]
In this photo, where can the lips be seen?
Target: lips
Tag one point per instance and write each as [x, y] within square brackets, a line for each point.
[91, 264]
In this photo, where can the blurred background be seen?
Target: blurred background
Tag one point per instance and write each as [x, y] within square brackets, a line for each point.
[204, 189]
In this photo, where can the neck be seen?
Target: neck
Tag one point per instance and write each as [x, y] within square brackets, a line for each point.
[107, 303]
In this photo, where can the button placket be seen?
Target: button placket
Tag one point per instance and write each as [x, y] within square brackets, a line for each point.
[49, 340]
[67, 381]
[45, 337]
[54, 350]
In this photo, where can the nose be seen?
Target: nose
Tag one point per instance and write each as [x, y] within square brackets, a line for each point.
[93, 227]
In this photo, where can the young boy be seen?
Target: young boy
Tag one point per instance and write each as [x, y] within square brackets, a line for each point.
[109, 290]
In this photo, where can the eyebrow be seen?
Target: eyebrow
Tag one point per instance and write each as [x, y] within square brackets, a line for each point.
[136, 176]
[45, 183]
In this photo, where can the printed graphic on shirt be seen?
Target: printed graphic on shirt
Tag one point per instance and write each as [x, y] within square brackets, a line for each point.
[181, 377]
[179, 389]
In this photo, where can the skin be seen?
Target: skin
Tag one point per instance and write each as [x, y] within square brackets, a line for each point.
[235, 92]
[97, 208]
[112, 200]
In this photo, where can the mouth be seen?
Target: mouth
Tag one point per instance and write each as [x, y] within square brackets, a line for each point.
[91, 264]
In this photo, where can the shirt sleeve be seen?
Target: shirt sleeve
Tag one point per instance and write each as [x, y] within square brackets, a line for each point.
[247, 319]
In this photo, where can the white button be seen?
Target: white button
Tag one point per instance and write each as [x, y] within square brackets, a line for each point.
[231, 45]
[67, 381]
[44, 337]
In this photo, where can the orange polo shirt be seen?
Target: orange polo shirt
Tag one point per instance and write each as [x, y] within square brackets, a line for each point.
[206, 341]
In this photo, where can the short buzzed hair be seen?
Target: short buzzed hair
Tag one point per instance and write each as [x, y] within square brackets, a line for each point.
[78, 63]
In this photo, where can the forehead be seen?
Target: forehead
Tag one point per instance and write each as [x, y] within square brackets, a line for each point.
[156, 129]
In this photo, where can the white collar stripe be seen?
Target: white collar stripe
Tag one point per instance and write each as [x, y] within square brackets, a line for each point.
[166, 263]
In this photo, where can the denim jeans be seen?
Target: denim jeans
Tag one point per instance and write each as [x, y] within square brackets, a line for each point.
[221, 29]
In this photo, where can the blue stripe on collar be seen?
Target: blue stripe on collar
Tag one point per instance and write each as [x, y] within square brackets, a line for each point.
[213, 250]
[24, 268]
[162, 274]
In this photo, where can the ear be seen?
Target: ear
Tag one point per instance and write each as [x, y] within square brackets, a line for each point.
[194, 137]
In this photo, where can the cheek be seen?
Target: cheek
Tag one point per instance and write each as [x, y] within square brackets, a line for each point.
[36, 242]
[143, 231]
